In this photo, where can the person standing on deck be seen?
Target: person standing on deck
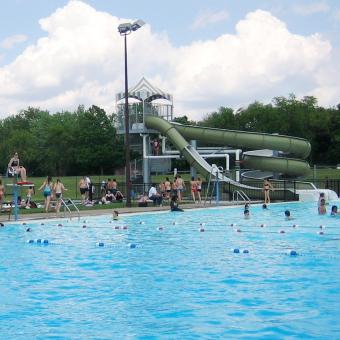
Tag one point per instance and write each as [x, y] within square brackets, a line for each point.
[267, 186]
[46, 187]
[180, 187]
[58, 189]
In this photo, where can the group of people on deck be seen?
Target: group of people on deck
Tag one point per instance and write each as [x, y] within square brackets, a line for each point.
[172, 191]
[177, 187]
[110, 192]
[51, 190]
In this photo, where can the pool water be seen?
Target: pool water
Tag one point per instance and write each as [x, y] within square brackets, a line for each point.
[164, 277]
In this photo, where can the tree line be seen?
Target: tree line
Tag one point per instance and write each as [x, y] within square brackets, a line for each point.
[287, 116]
[64, 143]
[86, 141]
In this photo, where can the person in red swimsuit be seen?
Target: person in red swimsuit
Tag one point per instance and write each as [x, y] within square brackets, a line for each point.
[193, 184]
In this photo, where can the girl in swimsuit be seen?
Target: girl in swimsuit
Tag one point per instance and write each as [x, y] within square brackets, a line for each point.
[193, 185]
[15, 168]
[322, 208]
[266, 188]
[47, 191]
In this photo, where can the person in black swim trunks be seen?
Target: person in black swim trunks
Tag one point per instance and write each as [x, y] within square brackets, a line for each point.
[58, 189]
[83, 188]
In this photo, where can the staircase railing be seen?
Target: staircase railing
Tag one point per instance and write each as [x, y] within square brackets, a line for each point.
[240, 194]
[215, 171]
[67, 207]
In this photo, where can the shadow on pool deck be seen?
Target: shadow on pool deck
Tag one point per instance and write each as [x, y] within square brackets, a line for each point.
[92, 212]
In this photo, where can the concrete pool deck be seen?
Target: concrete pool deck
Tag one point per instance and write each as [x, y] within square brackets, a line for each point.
[123, 210]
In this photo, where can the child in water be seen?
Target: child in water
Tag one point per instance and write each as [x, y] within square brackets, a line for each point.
[115, 215]
[322, 207]
[288, 216]
[246, 214]
[334, 210]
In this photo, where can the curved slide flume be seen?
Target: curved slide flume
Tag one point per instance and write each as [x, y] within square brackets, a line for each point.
[290, 166]
[177, 134]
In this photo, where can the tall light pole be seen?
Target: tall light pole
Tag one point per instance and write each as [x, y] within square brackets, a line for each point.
[125, 29]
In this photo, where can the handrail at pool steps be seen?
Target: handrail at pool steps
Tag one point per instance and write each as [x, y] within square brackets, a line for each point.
[215, 170]
[240, 194]
[67, 204]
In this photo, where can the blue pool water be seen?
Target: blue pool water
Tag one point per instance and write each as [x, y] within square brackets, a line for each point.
[177, 283]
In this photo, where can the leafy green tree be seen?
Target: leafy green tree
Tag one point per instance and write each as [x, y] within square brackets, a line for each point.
[223, 118]
[184, 120]
[65, 143]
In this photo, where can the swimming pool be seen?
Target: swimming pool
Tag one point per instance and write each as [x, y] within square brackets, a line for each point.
[162, 277]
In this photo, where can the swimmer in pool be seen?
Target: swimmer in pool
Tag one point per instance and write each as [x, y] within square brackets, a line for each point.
[334, 210]
[246, 214]
[322, 207]
[288, 216]
[115, 215]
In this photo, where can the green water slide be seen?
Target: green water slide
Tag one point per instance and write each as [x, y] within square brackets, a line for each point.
[179, 134]
[298, 147]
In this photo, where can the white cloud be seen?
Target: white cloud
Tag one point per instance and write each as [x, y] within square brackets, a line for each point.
[311, 8]
[261, 60]
[80, 61]
[336, 15]
[209, 17]
[13, 40]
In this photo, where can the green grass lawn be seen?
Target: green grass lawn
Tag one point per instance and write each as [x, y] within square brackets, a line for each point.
[322, 173]
[71, 183]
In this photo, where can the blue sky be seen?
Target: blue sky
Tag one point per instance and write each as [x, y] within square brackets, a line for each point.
[186, 28]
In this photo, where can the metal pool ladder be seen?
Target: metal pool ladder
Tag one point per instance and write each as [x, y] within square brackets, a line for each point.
[237, 194]
[215, 171]
[66, 207]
